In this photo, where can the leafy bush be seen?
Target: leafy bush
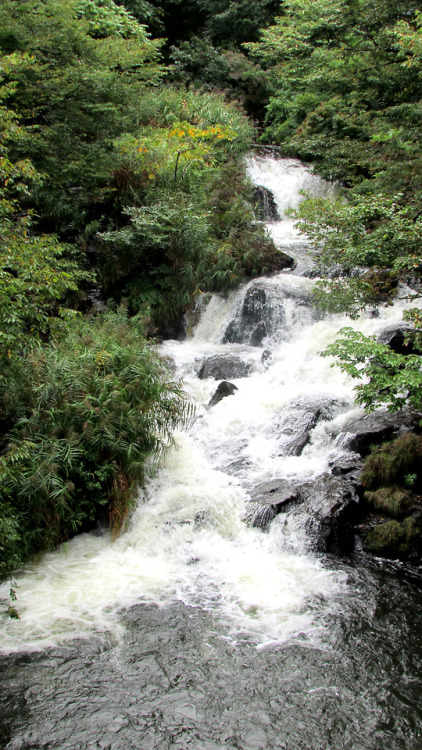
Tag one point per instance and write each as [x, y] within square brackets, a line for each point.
[102, 414]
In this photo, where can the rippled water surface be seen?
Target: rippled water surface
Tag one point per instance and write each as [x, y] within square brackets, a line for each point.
[177, 681]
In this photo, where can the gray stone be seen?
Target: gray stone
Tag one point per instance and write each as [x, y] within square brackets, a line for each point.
[265, 205]
[221, 367]
[331, 506]
[394, 338]
[327, 505]
[224, 389]
[298, 420]
[362, 433]
[268, 499]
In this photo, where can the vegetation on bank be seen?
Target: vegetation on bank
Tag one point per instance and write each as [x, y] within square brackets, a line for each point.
[346, 81]
[347, 96]
[110, 176]
[393, 487]
[123, 125]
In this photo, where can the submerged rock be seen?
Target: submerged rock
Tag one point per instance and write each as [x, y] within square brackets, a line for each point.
[221, 367]
[224, 389]
[298, 420]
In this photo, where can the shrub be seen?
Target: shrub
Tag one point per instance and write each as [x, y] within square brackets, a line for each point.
[103, 410]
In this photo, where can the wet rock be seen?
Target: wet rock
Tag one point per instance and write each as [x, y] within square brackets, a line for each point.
[331, 505]
[327, 507]
[253, 305]
[268, 499]
[174, 331]
[362, 433]
[394, 337]
[224, 389]
[349, 464]
[296, 446]
[221, 367]
[256, 318]
[299, 419]
[265, 205]
[258, 335]
[237, 467]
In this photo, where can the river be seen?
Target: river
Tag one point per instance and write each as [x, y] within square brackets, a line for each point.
[196, 629]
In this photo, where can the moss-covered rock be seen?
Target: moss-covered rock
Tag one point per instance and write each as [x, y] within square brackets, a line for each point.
[395, 539]
[392, 500]
[395, 463]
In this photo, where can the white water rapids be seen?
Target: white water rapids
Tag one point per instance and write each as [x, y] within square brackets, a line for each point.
[187, 540]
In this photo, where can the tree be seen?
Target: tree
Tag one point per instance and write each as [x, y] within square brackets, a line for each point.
[84, 67]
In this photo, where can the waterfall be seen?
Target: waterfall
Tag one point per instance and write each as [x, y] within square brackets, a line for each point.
[188, 540]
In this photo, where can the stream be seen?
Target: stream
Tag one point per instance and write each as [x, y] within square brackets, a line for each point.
[197, 629]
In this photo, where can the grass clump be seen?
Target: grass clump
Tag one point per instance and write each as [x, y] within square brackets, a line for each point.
[394, 538]
[395, 463]
[392, 500]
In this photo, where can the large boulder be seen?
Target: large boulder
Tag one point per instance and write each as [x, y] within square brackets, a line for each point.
[261, 314]
[251, 324]
[347, 465]
[224, 389]
[361, 433]
[265, 205]
[222, 367]
[331, 506]
[326, 507]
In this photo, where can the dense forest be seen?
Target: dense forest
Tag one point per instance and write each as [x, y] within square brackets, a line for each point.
[123, 129]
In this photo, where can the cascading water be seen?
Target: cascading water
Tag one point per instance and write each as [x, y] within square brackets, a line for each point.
[206, 578]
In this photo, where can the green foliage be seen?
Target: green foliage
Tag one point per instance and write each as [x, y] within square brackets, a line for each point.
[34, 276]
[347, 80]
[393, 462]
[392, 476]
[199, 63]
[393, 501]
[181, 245]
[391, 379]
[106, 19]
[225, 23]
[73, 95]
[101, 413]
[377, 234]
[341, 73]
[394, 538]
